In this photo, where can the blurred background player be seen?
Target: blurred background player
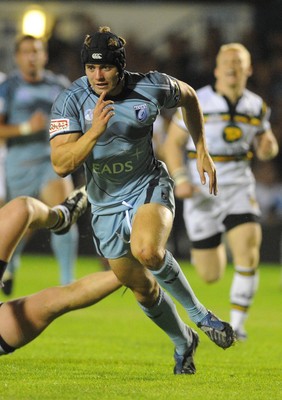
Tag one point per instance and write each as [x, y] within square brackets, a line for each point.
[23, 319]
[236, 124]
[26, 98]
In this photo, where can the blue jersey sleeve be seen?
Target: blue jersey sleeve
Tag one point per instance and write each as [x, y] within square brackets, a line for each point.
[64, 115]
[165, 89]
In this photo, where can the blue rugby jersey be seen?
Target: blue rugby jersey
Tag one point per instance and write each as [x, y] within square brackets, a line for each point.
[122, 162]
[28, 155]
[19, 99]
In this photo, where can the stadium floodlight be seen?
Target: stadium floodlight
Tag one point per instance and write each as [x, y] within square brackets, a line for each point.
[34, 23]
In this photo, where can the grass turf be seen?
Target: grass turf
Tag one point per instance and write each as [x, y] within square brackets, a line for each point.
[112, 351]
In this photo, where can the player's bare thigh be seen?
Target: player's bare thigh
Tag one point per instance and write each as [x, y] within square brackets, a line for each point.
[151, 227]
[244, 241]
[55, 191]
[210, 263]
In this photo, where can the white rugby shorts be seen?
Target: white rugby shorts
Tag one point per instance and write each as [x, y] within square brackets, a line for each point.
[204, 213]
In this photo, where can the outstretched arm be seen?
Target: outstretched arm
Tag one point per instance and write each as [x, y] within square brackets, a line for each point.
[173, 149]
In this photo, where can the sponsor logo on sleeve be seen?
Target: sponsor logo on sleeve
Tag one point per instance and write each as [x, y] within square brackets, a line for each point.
[59, 125]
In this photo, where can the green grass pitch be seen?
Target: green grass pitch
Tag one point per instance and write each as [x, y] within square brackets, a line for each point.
[112, 351]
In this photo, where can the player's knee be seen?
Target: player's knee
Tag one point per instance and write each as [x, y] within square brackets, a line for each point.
[149, 255]
[211, 279]
[250, 258]
[25, 205]
[209, 276]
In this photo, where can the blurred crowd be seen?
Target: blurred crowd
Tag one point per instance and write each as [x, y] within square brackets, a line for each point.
[180, 59]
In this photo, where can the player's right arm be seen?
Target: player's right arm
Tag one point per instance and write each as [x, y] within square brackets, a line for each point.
[69, 151]
[194, 122]
[266, 146]
[173, 148]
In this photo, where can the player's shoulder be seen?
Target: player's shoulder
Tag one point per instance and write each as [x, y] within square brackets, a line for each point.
[11, 81]
[205, 91]
[252, 96]
[155, 86]
[57, 79]
[77, 87]
[75, 92]
[5, 84]
[3, 76]
[254, 103]
[207, 96]
[79, 84]
[148, 78]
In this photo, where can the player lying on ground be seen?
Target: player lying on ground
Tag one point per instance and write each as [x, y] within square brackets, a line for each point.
[23, 319]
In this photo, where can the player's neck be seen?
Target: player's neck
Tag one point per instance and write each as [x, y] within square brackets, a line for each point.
[233, 93]
[32, 77]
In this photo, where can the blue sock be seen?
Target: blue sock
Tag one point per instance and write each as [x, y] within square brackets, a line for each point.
[164, 314]
[172, 279]
[65, 248]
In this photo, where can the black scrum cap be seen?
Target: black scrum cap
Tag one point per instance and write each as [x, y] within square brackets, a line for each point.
[104, 48]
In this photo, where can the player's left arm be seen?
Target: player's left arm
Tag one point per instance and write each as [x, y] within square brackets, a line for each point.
[266, 146]
[194, 121]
